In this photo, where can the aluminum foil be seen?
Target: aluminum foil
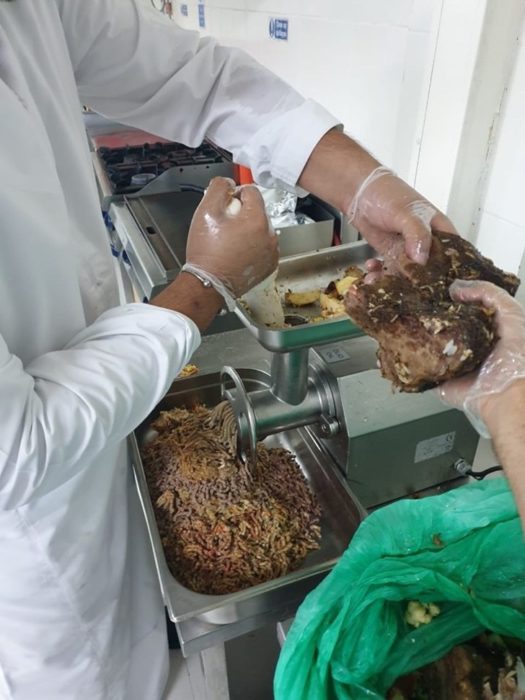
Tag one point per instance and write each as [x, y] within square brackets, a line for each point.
[281, 207]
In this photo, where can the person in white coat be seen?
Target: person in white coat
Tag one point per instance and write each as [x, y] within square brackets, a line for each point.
[81, 615]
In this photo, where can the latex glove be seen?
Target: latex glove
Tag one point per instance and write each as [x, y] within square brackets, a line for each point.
[231, 243]
[504, 365]
[385, 205]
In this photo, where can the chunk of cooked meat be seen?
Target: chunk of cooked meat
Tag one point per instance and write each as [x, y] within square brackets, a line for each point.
[424, 337]
[452, 257]
[422, 341]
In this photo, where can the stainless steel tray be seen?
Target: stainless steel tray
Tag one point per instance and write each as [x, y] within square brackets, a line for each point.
[341, 515]
[305, 272]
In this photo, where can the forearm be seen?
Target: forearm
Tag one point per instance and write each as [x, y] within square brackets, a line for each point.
[65, 407]
[336, 168]
[188, 296]
[504, 416]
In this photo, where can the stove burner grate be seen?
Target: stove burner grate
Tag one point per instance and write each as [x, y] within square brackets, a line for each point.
[122, 164]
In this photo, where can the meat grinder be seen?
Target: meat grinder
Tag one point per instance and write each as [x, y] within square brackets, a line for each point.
[324, 375]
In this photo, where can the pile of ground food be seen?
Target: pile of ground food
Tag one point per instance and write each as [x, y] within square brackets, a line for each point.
[223, 528]
[489, 667]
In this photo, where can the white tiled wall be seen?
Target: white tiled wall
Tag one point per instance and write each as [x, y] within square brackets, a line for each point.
[368, 62]
[501, 233]
[399, 78]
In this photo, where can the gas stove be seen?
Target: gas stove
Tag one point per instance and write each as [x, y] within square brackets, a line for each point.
[159, 167]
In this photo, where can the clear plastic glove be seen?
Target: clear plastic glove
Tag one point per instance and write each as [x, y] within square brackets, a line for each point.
[231, 243]
[385, 205]
[504, 365]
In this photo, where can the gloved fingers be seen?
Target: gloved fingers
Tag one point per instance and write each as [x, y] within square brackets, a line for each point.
[440, 222]
[509, 313]
[372, 277]
[454, 391]
[374, 270]
[417, 236]
[373, 265]
[218, 195]
[230, 238]
[251, 197]
[421, 217]
[480, 291]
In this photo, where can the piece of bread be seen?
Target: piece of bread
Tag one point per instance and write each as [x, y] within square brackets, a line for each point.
[332, 298]
[302, 298]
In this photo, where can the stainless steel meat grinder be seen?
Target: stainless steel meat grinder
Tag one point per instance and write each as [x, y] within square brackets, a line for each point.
[324, 375]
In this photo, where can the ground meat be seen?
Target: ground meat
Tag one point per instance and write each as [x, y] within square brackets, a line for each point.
[424, 337]
[223, 528]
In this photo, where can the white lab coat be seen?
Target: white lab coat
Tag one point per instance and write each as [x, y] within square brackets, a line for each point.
[80, 608]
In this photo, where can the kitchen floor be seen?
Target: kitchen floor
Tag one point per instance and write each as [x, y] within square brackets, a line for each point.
[250, 659]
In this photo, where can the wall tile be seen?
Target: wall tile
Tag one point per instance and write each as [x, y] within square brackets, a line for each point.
[367, 62]
[423, 14]
[359, 71]
[412, 104]
[395, 12]
[507, 178]
[501, 240]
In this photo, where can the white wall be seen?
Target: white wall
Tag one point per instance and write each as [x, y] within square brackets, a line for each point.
[419, 83]
[369, 63]
[501, 233]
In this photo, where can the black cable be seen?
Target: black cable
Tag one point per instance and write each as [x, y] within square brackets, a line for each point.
[482, 474]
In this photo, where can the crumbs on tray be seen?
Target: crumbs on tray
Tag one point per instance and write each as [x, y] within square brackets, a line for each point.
[188, 371]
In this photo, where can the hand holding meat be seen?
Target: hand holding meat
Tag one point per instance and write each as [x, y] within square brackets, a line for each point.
[504, 365]
[231, 242]
[384, 205]
[426, 337]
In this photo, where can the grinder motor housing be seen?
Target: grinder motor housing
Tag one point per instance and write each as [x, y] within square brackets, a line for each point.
[390, 445]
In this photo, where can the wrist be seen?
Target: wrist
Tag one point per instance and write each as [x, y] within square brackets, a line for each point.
[209, 280]
[337, 167]
[189, 296]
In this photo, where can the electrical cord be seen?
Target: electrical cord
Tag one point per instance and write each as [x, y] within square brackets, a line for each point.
[465, 469]
[482, 474]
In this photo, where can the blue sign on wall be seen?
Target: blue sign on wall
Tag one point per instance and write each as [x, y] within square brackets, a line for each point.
[278, 28]
[202, 17]
[184, 10]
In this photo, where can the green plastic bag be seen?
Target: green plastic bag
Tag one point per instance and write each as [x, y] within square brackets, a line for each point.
[463, 550]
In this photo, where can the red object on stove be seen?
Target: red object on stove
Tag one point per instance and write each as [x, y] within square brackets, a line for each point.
[120, 139]
[243, 175]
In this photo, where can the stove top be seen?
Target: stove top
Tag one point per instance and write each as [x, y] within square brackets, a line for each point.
[131, 168]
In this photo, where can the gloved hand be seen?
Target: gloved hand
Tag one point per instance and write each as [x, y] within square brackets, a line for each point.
[385, 205]
[504, 365]
[231, 243]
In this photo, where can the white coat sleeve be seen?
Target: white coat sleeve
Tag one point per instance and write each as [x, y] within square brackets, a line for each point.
[136, 66]
[60, 411]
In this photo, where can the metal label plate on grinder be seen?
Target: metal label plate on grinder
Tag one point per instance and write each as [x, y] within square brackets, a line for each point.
[434, 447]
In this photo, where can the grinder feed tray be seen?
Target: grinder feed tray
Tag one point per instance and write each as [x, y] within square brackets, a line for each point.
[303, 273]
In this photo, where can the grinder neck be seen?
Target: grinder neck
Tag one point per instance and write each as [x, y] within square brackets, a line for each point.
[300, 393]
